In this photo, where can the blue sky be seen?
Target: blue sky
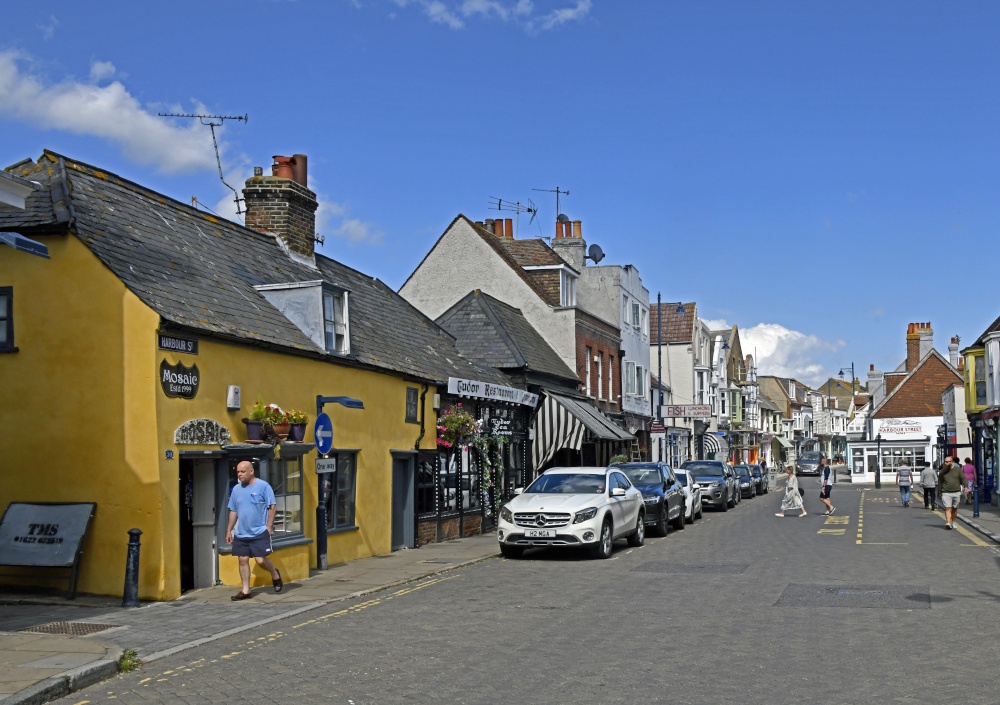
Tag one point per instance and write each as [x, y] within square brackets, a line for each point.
[820, 174]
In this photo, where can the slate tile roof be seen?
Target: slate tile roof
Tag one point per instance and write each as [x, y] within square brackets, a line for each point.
[493, 333]
[919, 394]
[198, 271]
[530, 253]
[993, 328]
[675, 327]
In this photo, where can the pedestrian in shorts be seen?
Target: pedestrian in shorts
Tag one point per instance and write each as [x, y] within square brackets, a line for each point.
[251, 522]
[952, 482]
[826, 482]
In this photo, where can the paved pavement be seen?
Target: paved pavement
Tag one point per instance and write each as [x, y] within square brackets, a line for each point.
[52, 647]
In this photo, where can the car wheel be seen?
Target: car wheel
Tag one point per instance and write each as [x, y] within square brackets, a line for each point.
[511, 551]
[661, 524]
[732, 502]
[687, 519]
[638, 537]
[701, 511]
[679, 521]
[602, 549]
[724, 505]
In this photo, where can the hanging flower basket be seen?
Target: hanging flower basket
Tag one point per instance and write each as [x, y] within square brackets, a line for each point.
[457, 428]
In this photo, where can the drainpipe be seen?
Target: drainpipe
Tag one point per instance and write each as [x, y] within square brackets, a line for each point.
[416, 447]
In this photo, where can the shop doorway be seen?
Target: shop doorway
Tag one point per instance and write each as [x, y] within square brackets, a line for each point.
[197, 523]
[402, 502]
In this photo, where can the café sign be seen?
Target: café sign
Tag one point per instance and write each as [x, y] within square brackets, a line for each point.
[689, 411]
[179, 380]
[494, 392]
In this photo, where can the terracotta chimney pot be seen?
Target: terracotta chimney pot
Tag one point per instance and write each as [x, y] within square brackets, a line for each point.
[282, 167]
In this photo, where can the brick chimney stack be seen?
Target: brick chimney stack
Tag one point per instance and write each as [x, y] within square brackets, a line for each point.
[283, 205]
[569, 243]
[953, 352]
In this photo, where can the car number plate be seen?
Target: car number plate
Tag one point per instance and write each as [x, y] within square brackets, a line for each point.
[539, 533]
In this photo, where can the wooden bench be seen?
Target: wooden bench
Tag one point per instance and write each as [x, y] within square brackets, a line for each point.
[45, 535]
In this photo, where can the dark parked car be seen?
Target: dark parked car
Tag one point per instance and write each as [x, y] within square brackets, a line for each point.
[747, 486]
[759, 478]
[717, 482]
[661, 491]
[808, 463]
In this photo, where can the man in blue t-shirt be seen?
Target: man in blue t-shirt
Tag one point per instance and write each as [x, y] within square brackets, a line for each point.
[251, 515]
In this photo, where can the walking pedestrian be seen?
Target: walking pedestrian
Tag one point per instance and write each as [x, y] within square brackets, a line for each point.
[928, 480]
[792, 498]
[951, 481]
[826, 482]
[970, 477]
[251, 522]
[904, 481]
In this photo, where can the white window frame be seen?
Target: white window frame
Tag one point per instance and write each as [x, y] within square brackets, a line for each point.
[600, 375]
[636, 308]
[611, 378]
[336, 330]
[629, 377]
[645, 322]
[586, 377]
[567, 289]
[625, 310]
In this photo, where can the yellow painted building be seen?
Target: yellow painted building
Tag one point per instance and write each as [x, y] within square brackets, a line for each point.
[101, 406]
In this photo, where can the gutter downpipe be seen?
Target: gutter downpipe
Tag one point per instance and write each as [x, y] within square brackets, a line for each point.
[416, 447]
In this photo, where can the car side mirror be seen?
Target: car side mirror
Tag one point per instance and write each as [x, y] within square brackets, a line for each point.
[617, 492]
[518, 490]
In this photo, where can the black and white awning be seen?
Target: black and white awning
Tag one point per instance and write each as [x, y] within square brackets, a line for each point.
[716, 447]
[564, 422]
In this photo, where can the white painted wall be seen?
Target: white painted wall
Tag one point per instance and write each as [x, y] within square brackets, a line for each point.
[461, 262]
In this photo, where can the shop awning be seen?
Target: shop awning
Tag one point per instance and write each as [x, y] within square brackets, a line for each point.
[783, 441]
[562, 422]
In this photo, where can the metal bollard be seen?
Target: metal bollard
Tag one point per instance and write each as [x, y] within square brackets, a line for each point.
[130, 597]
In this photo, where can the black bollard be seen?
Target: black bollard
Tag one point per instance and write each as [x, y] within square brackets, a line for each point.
[130, 598]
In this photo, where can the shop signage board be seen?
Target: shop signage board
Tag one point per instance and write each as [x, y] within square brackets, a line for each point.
[493, 392]
[42, 534]
[690, 411]
[179, 380]
[657, 427]
[326, 465]
[500, 427]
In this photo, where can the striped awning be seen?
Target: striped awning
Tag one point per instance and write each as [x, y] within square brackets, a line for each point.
[562, 422]
[716, 447]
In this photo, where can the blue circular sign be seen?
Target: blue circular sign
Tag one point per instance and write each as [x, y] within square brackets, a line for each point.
[323, 434]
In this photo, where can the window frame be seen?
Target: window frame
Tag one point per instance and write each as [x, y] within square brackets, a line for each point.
[340, 305]
[630, 377]
[600, 375]
[588, 353]
[274, 468]
[7, 316]
[412, 405]
[567, 289]
[347, 465]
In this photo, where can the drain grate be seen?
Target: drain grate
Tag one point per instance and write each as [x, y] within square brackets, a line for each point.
[70, 628]
[694, 568]
[893, 597]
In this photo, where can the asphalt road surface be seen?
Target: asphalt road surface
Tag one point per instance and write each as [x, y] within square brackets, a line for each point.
[875, 604]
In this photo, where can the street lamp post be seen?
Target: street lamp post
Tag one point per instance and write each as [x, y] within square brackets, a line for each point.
[878, 462]
[659, 372]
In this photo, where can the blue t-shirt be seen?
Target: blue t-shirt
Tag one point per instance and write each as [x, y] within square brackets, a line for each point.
[251, 504]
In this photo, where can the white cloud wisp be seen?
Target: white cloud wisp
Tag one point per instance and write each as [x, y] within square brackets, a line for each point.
[456, 13]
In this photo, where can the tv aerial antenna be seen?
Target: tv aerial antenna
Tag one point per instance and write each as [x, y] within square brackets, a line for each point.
[557, 191]
[499, 204]
[210, 121]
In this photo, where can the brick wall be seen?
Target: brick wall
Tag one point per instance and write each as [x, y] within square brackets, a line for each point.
[427, 529]
[282, 207]
[603, 339]
[548, 281]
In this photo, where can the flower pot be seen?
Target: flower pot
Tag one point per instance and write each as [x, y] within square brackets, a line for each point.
[282, 429]
[297, 432]
[253, 430]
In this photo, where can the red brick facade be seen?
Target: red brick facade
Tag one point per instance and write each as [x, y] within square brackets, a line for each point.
[603, 342]
[427, 530]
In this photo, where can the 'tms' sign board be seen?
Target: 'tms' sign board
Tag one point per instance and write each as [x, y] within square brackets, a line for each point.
[323, 434]
[43, 534]
[689, 411]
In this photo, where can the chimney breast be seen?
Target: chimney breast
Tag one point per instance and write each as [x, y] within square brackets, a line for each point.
[282, 205]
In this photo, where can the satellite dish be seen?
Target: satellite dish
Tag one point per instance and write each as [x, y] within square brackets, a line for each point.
[595, 253]
[562, 218]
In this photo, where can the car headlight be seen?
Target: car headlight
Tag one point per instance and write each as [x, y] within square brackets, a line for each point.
[585, 515]
[713, 485]
[506, 515]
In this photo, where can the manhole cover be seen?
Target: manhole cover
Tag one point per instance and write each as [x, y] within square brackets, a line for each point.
[898, 597]
[701, 569]
[70, 628]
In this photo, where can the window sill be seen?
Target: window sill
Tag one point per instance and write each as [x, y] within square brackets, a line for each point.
[342, 530]
[8, 350]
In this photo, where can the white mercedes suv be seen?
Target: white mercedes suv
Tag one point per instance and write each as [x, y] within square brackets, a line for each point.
[588, 507]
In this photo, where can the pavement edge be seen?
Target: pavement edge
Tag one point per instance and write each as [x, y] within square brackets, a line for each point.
[67, 682]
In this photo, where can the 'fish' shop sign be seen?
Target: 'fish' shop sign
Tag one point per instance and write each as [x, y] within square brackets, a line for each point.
[179, 380]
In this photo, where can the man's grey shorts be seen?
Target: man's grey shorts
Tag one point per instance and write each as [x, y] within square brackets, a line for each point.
[258, 546]
[950, 500]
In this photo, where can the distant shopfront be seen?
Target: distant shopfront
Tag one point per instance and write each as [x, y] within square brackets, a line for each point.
[896, 442]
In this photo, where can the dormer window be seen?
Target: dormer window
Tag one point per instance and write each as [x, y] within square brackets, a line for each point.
[567, 288]
[336, 322]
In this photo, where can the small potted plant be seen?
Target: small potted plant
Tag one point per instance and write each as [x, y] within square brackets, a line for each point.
[298, 421]
[258, 415]
[278, 419]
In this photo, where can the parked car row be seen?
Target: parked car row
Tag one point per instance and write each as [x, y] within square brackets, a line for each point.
[591, 507]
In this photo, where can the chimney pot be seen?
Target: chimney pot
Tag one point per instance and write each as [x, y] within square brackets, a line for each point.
[300, 164]
[498, 227]
[282, 167]
[508, 227]
[577, 229]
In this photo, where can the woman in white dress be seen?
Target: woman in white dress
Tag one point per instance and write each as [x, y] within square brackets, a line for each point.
[792, 498]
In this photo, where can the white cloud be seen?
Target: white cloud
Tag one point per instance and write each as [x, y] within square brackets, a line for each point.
[716, 324]
[49, 30]
[784, 352]
[108, 112]
[358, 231]
[522, 12]
[101, 70]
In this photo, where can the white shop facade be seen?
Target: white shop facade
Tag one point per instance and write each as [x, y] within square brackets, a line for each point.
[891, 443]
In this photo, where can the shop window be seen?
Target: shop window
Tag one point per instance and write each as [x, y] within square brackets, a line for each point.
[426, 482]
[7, 319]
[980, 380]
[285, 478]
[458, 482]
[411, 405]
[341, 491]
